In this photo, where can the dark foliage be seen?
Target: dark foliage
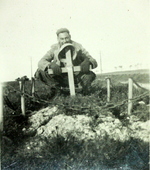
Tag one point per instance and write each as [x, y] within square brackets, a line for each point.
[61, 153]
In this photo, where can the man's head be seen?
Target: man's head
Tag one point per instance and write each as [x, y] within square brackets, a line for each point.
[63, 36]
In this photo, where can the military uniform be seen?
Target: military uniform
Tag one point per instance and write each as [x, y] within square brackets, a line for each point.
[56, 54]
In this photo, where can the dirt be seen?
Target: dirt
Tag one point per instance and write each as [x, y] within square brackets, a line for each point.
[47, 124]
[50, 132]
[84, 132]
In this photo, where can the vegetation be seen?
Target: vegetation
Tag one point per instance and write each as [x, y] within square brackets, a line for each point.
[84, 132]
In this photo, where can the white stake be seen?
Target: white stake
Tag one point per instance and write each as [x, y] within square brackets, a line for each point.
[108, 89]
[22, 83]
[33, 87]
[1, 107]
[130, 95]
[1, 118]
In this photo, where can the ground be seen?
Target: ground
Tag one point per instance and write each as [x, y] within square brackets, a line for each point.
[81, 132]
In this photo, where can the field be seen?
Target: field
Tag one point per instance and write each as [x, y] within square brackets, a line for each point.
[81, 132]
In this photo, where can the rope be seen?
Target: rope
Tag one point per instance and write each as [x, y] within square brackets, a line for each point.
[138, 97]
[139, 85]
[29, 96]
[72, 108]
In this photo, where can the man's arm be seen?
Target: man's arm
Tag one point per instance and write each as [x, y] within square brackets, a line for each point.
[49, 61]
[86, 55]
[45, 61]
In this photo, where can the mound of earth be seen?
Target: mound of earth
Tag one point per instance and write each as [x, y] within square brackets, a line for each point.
[82, 130]
[47, 125]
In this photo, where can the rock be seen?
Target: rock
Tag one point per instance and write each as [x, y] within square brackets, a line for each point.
[63, 125]
[41, 117]
[140, 130]
[48, 124]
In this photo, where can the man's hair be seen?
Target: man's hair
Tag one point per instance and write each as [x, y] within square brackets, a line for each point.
[61, 30]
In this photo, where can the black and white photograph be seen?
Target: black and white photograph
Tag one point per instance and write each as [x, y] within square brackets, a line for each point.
[74, 84]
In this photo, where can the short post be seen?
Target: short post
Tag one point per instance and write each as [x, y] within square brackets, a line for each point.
[1, 107]
[70, 72]
[32, 86]
[108, 89]
[130, 95]
[1, 117]
[22, 89]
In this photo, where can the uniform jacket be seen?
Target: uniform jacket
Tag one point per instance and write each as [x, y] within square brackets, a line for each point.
[52, 55]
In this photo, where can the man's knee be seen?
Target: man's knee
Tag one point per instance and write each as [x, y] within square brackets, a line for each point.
[39, 74]
[44, 77]
[36, 74]
[93, 75]
[88, 78]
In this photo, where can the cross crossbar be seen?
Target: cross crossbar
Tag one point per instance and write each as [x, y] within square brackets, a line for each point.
[65, 70]
[69, 69]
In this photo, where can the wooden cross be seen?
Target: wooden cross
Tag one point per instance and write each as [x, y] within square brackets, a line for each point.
[69, 69]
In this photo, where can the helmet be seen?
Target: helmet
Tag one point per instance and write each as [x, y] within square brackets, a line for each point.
[64, 48]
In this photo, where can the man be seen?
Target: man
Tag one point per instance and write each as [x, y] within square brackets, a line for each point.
[53, 59]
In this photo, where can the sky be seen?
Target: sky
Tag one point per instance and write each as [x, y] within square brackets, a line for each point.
[115, 32]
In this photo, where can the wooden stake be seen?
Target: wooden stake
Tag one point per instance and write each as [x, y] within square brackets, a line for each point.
[1, 117]
[1, 107]
[22, 83]
[32, 87]
[130, 95]
[108, 89]
[70, 73]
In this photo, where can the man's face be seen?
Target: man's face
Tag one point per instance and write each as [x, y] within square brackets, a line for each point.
[64, 38]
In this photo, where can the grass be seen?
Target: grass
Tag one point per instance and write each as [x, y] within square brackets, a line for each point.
[71, 153]
[141, 76]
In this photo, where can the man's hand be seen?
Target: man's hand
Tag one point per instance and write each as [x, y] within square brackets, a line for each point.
[56, 68]
[93, 63]
[85, 66]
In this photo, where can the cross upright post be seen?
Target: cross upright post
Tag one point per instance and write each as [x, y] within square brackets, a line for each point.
[70, 72]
